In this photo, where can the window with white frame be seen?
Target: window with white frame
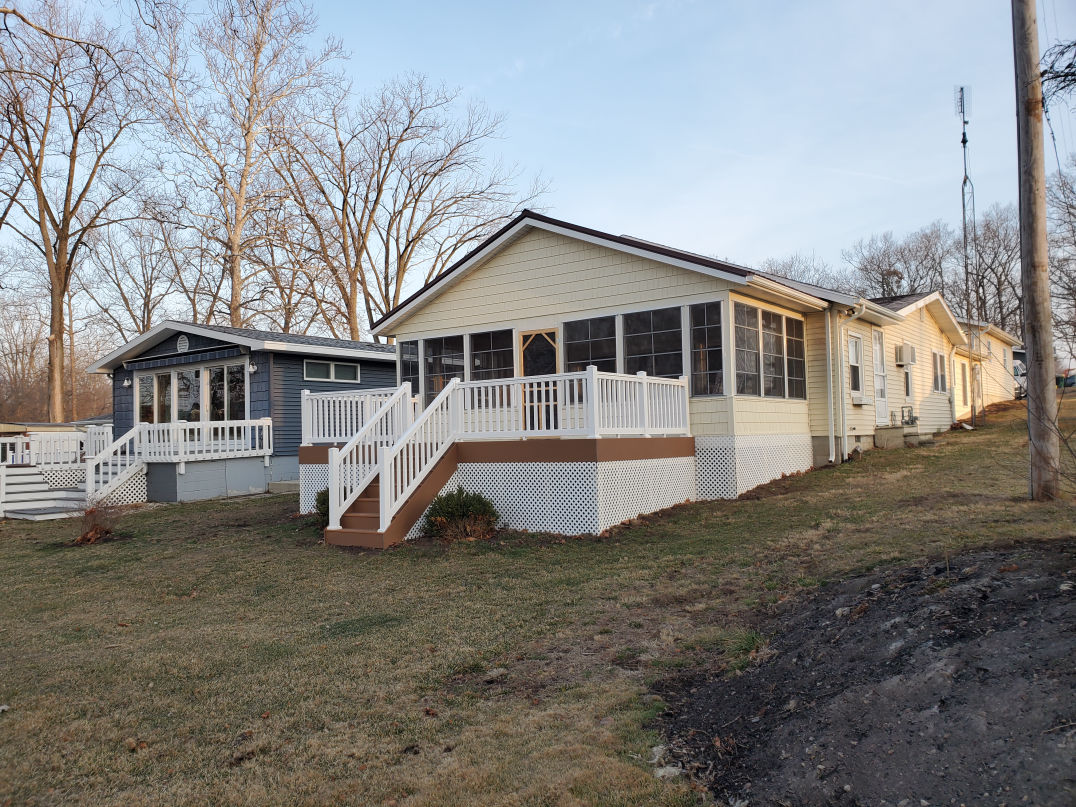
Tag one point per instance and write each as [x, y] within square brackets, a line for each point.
[773, 355]
[409, 368]
[315, 370]
[745, 318]
[964, 384]
[653, 343]
[908, 383]
[796, 353]
[707, 355]
[855, 364]
[940, 383]
[590, 341]
[192, 394]
[491, 355]
[443, 357]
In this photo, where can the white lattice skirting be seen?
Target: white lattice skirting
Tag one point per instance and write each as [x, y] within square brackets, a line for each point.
[312, 480]
[133, 491]
[729, 466]
[63, 477]
[576, 497]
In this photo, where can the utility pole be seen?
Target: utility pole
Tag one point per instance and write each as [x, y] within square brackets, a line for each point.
[1034, 269]
[971, 243]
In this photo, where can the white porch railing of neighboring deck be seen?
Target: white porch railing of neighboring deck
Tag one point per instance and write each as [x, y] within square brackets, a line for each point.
[582, 404]
[174, 442]
[45, 449]
[336, 417]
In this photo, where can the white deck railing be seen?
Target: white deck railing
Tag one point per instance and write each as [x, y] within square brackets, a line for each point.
[174, 442]
[336, 417]
[354, 466]
[45, 449]
[583, 404]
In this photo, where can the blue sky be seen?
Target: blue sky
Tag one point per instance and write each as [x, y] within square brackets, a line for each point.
[744, 130]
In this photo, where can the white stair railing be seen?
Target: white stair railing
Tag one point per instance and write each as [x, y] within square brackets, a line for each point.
[335, 417]
[353, 467]
[109, 469]
[406, 463]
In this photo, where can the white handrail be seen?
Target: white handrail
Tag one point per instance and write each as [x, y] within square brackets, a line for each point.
[113, 466]
[353, 467]
[335, 417]
[406, 463]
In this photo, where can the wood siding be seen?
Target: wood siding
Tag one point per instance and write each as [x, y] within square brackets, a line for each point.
[922, 331]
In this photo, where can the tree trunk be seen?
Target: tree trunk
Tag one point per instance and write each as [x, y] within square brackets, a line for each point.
[57, 325]
[235, 274]
[1035, 280]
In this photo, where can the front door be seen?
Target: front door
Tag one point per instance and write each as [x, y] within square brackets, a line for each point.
[538, 356]
[881, 392]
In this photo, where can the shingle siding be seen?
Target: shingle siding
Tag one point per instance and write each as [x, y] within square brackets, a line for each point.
[122, 403]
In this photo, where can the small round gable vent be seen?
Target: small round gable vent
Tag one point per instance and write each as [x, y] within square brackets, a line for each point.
[183, 344]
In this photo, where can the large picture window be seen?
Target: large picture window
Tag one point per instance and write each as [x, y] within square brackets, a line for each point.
[444, 361]
[164, 397]
[796, 352]
[409, 364]
[747, 354]
[193, 394]
[146, 411]
[707, 359]
[189, 395]
[590, 341]
[491, 355]
[773, 355]
[653, 343]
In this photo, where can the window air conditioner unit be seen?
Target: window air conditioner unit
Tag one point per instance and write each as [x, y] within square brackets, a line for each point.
[905, 354]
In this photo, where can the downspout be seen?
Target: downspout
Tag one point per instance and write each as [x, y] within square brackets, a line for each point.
[862, 308]
[952, 386]
[829, 386]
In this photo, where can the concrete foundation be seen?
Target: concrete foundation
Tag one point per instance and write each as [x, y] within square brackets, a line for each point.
[208, 479]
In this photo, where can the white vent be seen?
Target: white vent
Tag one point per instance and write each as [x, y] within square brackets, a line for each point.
[905, 354]
[183, 344]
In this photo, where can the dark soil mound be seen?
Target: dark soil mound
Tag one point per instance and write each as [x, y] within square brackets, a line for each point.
[946, 684]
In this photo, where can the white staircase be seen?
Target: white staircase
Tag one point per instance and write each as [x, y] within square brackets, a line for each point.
[28, 496]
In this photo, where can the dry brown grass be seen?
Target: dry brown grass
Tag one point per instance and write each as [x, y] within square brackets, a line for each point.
[219, 654]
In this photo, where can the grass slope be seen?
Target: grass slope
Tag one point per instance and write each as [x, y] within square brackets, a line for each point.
[218, 653]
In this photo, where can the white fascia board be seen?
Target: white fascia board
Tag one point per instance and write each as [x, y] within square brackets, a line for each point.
[787, 292]
[319, 350]
[461, 272]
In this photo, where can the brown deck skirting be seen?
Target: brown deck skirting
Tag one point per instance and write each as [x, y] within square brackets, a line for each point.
[608, 449]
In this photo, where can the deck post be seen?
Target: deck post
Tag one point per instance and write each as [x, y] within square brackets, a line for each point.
[409, 410]
[687, 404]
[593, 405]
[334, 488]
[644, 403]
[307, 417]
[384, 478]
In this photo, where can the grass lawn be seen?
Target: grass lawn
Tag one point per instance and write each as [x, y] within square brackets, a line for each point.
[218, 653]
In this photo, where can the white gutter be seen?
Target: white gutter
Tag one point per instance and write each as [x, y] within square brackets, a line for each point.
[829, 387]
[862, 308]
[952, 388]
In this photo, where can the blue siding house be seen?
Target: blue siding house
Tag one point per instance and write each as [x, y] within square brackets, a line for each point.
[183, 373]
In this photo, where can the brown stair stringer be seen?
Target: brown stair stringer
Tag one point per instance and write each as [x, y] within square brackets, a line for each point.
[405, 517]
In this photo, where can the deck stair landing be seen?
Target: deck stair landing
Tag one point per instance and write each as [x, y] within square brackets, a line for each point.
[28, 496]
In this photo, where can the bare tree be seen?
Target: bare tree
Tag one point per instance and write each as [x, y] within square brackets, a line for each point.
[68, 111]
[1061, 200]
[883, 266]
[808, 268]
[129, 274]
[392, 192]
[998, 269]
[223, 85]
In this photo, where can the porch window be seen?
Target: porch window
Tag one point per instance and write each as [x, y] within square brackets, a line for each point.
[590, 341]
[653, 343]
[237, 392]
[227, 392]
[164, 397]
[747, 354]
[855, 364]
[773, 355]
[796, 352]
[145, 399]
[189, 395]
[940, 384]
[707, 356]
[491, 355]
[409, 364]
[444, 361]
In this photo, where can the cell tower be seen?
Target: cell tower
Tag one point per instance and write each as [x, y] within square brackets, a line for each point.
[962, 104]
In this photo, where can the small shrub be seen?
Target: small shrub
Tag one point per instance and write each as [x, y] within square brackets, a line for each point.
[460, 515]
[321, 507]
[98, 524]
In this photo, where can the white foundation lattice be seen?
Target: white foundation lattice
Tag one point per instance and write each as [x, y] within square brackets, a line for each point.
[312, 480]
[63, 477]
[729, 466]
[133, 491]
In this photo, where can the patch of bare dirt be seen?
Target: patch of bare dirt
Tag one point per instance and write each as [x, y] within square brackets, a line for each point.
[949, 683]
